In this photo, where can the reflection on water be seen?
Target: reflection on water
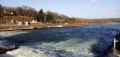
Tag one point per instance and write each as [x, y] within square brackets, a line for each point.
[84, 41]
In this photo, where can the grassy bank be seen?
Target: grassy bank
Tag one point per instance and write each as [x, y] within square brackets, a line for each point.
[35, 26]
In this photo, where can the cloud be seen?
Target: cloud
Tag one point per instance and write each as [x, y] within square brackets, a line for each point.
[94, 1]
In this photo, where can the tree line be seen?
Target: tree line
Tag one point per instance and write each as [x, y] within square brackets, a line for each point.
[40, 15]
[47, 16]
[17, 11]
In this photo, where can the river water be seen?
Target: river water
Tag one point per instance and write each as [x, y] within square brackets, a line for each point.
[82, 41]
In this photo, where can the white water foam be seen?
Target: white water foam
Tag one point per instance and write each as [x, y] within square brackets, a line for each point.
[74, 46]
[4, 34]
[24, 52]
[71, 48]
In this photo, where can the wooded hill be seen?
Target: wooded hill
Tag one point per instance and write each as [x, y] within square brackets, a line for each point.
[48, 16]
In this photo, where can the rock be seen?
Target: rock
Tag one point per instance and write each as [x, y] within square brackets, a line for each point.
[2, 50]
[8, 48]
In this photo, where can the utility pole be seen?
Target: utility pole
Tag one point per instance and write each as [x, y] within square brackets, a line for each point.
[114, 46]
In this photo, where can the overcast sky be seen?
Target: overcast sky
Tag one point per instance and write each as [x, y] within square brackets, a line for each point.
[72, 8]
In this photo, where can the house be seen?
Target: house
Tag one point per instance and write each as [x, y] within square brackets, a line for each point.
[17, 20]
[8, 12]
[34, 21]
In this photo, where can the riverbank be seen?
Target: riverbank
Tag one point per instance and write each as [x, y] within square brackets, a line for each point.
[110, 51]
[8, 27]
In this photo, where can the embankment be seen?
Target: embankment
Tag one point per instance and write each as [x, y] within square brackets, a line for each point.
[110, 51]
[35, 26]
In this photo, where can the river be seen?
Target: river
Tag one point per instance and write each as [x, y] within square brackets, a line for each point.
[83, 41]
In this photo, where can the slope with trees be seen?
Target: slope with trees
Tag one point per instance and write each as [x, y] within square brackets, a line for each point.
[48, 16]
